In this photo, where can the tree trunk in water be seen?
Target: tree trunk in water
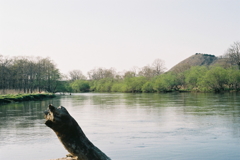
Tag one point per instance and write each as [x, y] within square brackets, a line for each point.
[71, 135]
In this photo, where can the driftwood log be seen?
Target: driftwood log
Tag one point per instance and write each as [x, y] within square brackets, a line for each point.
[71, 135]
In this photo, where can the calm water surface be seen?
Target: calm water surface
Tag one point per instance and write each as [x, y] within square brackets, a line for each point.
[180, 126]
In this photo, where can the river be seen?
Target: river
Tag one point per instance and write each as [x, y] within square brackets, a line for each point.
[181, 126]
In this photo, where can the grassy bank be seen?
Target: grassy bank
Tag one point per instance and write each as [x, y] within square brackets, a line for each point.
[24, 97]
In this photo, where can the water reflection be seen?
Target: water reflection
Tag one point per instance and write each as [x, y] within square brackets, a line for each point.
[17, 120]
[130, 126]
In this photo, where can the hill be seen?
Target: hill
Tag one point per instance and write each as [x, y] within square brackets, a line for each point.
[200, 59]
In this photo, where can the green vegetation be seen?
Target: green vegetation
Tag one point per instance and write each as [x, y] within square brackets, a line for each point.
[24, 97]
[80, 86]
[199, 73]
[197, 79]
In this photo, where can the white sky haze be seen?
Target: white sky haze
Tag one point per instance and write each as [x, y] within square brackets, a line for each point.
[84, 34]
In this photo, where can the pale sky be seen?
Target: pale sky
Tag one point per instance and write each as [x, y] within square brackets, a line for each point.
[84, 34]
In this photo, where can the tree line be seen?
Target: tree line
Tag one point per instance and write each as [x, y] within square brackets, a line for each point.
[28, 74]
[153, 78]
[36, 74]
[197, 78]
[102, 80]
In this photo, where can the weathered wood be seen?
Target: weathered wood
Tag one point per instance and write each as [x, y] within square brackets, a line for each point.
[71, 135]
[65, 158]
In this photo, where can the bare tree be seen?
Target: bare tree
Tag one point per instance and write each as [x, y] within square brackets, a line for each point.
[95, 74]
[135, 70]
[131, 73]
[147, 71]
[110, 73]
[158, 66]
[233, 53]
[76, 75]
[100, 73]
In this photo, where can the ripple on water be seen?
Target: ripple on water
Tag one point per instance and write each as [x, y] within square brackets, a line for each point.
[130, 126]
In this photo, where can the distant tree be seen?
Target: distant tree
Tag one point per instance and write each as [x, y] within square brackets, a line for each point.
[96, 74]
[158, 66]
[51, 75]
[64, 86]
[215, 79]
[24, 70]
[233, 53]
[193, 75]
[134, 84]
[118, 87]
[5, 78]
[28, 74]
[100, 73]
[148, 87]
[233, 78]
[135, 70]
[110, 73]
[166, 82]
[129, 74]
[180, 81]
[80, 86]
[147, 71]
[102, 85]
[76, 75]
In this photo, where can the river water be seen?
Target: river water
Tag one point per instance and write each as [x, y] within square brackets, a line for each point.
[180, 126]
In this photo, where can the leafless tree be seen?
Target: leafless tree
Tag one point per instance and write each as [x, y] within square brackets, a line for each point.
[135, 70]
[158, 66]
[147, 71]
[76, 75]
[100, 73]
[233, 53]
[131, 73]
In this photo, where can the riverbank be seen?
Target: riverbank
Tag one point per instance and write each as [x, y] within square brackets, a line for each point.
[9, 98]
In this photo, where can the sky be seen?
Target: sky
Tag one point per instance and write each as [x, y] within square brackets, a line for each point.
[120, 34]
